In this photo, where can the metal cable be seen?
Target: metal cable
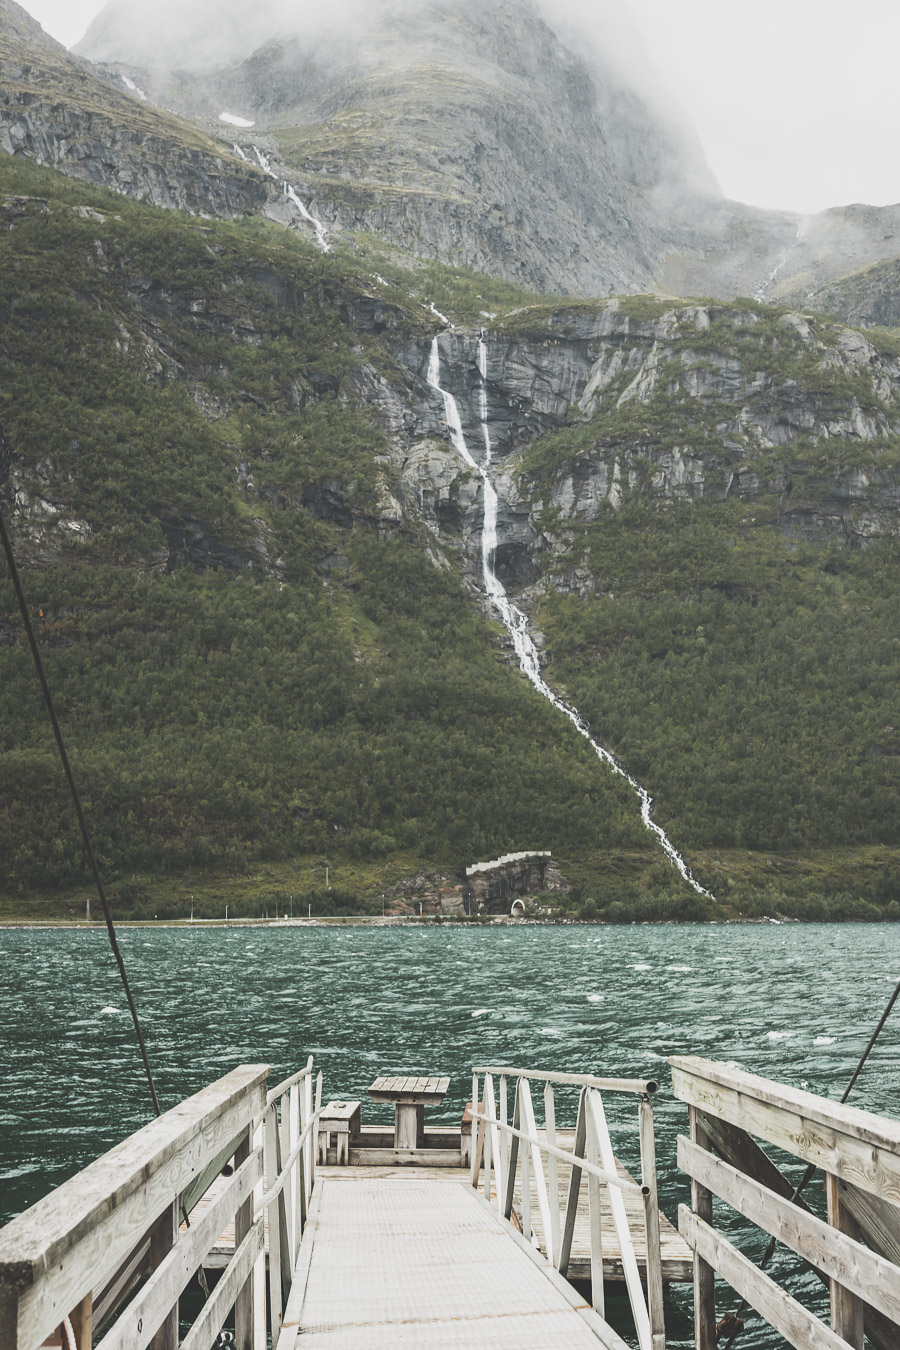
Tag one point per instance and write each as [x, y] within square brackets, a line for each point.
[733, 1319]
[85, 836]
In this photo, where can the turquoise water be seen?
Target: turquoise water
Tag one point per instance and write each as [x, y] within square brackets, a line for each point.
[793, 1002]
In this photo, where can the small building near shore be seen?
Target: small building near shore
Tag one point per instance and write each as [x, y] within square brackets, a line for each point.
[500, 886]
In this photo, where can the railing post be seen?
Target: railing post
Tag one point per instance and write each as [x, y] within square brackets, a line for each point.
[847, 1311]
[163, 1236]
[578, 1150]
[276, 1304]
[487, 1110]
[258, 1278]
[552, 1169]
[704, 1275]
[525, 1155]
[475, 1160]
[592, 1154]
[504, 1120]
[651, 1225]
[83, 1323]
[243, 1222]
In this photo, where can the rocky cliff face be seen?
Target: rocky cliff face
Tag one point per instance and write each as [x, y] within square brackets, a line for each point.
[787, 413]
[56, 110]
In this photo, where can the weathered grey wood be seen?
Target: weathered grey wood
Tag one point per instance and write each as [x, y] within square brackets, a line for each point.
[473, 1151]
[83, 1324]
[273, 1196]
[163, 1237]
[489, 1132]
[211, 1320]
[704, 1276]
[407, 1157]
[537, 1165]
[847, 1312]
[620, 1221]
[798, 1327]
[578, 1149]
[879, 1220]
[77, 1238]
[641, 1086]
[552, 1170]
[291, 1324]
[839, 1255]
[141, 1319]
[512, 1161]
[856, 1146]
[279, 1091]
[655, 1304]
[592, 1154]
[243, 1222]
[744, 1153]
[126, 1278]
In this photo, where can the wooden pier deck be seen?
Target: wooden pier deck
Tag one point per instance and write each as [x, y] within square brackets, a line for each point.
[677, 1259]
[403, 1261]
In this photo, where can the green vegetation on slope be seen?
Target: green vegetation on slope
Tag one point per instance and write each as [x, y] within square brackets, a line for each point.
[251, 666]
[741, 664]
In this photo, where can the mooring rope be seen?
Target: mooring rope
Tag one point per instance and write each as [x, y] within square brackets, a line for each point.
[731, 1322]
[85, 835]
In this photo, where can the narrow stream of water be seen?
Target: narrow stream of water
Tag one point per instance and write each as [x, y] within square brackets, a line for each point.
[513, 618]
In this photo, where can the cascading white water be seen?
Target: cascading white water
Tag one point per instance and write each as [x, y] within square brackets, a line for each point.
[291, 194]
[513, 619]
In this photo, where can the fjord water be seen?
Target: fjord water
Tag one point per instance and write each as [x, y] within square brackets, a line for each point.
[793, 1002]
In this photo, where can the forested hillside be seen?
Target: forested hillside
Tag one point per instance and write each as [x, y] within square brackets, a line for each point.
[254, 662]
[254, 561]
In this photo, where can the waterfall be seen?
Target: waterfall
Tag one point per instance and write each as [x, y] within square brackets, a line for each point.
[291, 194]
[513, 618]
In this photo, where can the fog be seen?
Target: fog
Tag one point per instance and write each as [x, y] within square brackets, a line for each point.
[796, 102]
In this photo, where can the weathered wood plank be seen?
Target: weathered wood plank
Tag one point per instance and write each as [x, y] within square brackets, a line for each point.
[856, 1146]
[704, 1276]
[652, 1242]
[224, 1296]
[89, 1226]
[798, 1327]
[638, 1085]
[835, 1252]
[878, 1219]
[141, 1319]
[847, 1310]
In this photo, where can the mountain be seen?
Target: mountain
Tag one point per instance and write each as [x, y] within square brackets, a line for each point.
[254, 533]
[57, 109]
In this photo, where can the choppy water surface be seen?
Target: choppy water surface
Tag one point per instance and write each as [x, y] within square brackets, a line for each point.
[796, 1003]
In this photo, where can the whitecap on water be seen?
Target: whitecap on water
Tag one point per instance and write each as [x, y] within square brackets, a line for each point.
[685, 968]
[481, 1012]
[825, 1040]
[640, 967]
[549, 1031]
[595, 998]
[110, 1012]
[777, 1035]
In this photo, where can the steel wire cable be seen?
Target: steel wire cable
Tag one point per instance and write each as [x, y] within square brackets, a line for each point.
[76, 799]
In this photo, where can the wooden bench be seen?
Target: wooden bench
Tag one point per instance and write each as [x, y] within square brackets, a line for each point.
[339, 1126]
[409, 1097]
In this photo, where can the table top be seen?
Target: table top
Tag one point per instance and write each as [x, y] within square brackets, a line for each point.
[419, 1091]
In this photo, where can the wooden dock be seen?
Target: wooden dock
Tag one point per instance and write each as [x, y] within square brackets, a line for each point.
[402, 1246]
[400, 1261]
[677, 1259]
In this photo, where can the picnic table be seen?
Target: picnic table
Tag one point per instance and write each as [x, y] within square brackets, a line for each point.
[409, 1096]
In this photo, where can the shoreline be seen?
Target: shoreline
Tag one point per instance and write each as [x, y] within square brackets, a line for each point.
[392, 921]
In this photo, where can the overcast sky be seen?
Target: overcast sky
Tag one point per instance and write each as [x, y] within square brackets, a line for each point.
[796, 102]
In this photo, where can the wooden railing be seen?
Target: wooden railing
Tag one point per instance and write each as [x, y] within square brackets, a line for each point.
[855, 1253]
[498, 1148]
[111, 1242]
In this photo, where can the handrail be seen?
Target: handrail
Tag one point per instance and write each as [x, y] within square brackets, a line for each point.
[288, 1083]
[106, 1255]
[642, 1086]
[859, 1154]
[496, 1147]
[611, 1178]
[269, 1196]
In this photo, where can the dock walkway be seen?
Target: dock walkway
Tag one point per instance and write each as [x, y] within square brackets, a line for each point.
[390, 1262]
